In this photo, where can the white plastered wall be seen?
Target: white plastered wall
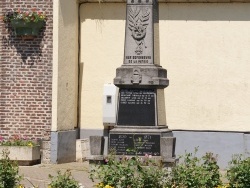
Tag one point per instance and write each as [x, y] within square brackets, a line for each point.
[65, 65]
[102, 44]
[204, 47]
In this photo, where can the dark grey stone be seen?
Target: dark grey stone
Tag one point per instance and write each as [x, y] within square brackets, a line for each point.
[63, 146]
[123, 138]
[137, 107]
[168, 147]
[247, 144]
[135, 144]
[86, 133]
[223, 144]
[96, 145]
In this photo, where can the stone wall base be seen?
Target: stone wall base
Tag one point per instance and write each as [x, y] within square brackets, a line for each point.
[45, 152]
[63, 146]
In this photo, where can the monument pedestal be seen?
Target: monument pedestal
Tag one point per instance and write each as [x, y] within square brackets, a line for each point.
[140, 141]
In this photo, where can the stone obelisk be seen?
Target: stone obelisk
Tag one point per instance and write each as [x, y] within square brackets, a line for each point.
[141, 80]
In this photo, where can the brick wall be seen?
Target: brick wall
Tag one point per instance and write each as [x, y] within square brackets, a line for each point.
[26, 76]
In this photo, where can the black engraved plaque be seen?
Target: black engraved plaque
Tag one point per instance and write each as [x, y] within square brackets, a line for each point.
[135, 144]
[137, 107]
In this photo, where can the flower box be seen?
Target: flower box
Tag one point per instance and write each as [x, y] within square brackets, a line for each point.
[24, 155]
[23, 28]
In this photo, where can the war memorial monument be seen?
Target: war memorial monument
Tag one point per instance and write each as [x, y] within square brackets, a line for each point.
[140, 127]
[141, 122]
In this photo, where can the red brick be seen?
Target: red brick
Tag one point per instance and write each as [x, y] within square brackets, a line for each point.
[26, 76]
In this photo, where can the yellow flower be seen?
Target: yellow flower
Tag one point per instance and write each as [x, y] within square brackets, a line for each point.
[108, 186]
[100, 185]
[30, 144]
[223, 186]
[20, 186]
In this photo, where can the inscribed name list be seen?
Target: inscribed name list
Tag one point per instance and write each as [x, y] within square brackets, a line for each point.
[136, 107]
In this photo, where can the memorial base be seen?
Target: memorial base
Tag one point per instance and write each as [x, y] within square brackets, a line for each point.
[156, 141]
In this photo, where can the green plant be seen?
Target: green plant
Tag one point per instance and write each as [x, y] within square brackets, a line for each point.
[129, 172]
[27, 16]
[238, 173]
[17, 140]
[194, 172]
[9, 177]
[63, 180]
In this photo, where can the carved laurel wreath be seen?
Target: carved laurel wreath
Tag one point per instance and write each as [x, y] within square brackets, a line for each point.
[138, 21]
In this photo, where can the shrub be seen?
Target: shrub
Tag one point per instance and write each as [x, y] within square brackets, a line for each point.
[194, 172]
[138, 172]
[238, 173]
[9, 177]
[132, 172]
[64, 180]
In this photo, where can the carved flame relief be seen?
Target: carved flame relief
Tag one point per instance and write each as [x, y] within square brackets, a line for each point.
[138, 20]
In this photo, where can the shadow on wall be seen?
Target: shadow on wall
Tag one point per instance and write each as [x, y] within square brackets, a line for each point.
[205, 11]
[30, 50]
[174, 11]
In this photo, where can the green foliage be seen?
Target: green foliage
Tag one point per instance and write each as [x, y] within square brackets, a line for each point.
[64, 180]
[134, 172]
[9, 177]
[194, 172]
[238, 173]
[142, 172]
